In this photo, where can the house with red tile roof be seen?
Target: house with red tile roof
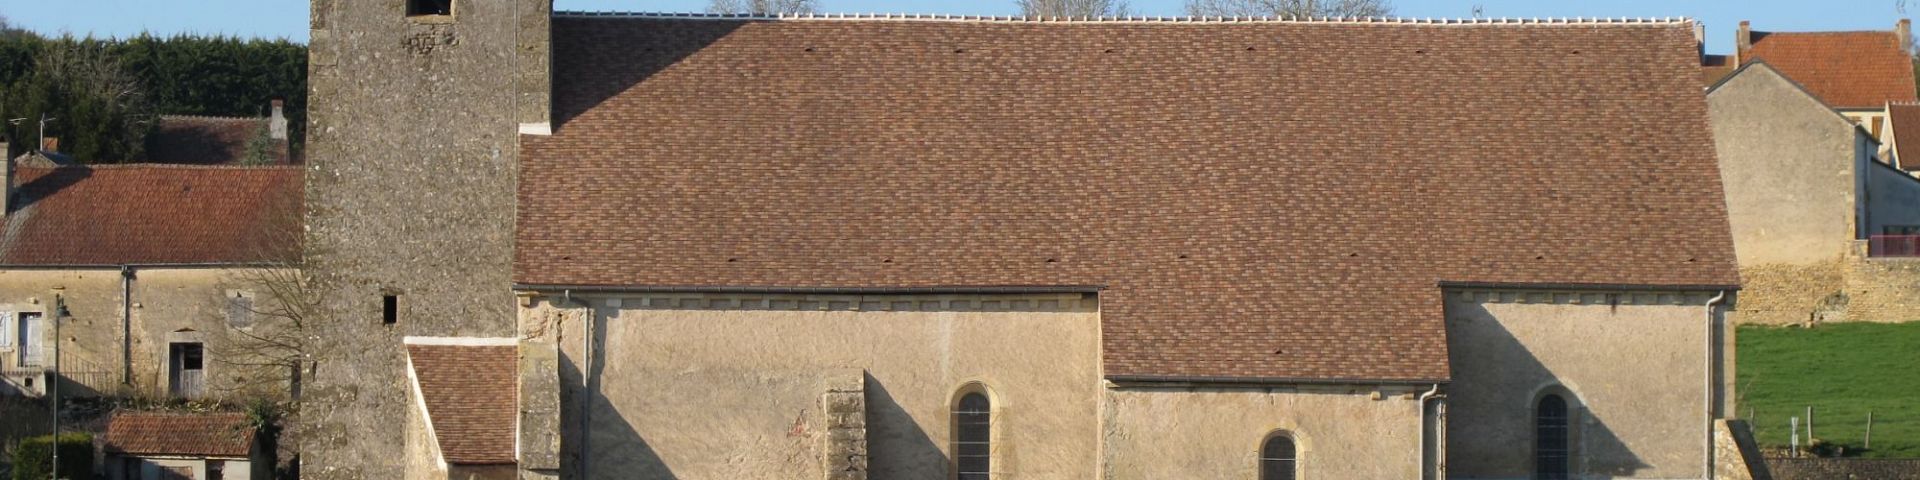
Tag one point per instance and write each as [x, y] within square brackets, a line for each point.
[1822, 228]
[1858, 73]
[969, 247]
[184, 445]
[146, 271]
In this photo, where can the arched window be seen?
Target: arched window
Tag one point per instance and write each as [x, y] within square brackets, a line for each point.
[1277, 460]
[972, 437]
[1550, 445]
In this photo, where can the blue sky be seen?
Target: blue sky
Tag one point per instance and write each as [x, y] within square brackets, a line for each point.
[287, 18]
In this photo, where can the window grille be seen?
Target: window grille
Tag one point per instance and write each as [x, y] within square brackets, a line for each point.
[1278, 460]
[1550, 439]
[972, 444]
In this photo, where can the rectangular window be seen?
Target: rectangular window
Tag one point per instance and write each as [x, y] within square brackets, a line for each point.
[390, 309]
[416, 8]
[6, 329]
[239, 309]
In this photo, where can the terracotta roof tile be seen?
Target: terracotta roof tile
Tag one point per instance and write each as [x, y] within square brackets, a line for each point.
[190, 434]
[118, 214]
[1844, 69]
[198, 140]
[1904, 119]
[1261, 199]
[470, 393]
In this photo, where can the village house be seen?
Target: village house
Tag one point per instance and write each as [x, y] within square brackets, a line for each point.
[855, 247]
[146, 268]
[184, 446]
[208, 140]
[1824, 230]
[1857, 73]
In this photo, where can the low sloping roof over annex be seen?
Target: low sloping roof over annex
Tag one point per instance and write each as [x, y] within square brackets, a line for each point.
[1261, 200]
[182, 434]
[152, 214]
[470, 392]
[1845, 69]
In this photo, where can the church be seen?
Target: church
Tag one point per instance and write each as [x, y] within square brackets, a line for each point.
[631, 245]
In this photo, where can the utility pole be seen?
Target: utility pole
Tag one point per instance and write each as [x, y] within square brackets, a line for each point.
[59, 310]
[43, 145]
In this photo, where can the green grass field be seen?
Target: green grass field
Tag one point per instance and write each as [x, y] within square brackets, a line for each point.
[1843, 370]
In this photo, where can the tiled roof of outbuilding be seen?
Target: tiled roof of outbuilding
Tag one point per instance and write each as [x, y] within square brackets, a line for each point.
[1844, 69]
[1904, 120]
[1271, 200]
[152, 214]
[186, 434]
[470, 394]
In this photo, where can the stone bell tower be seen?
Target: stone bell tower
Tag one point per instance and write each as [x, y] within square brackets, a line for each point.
[416, 109]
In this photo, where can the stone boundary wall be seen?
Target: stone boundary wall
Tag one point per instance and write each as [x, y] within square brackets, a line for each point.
[1844, 468]
[1852, 288]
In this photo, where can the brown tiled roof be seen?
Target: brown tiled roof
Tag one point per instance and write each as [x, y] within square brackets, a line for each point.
[1261, 199]
[120, 214]
[187, 434]
[1715, 67]
[1844, 69]
[470, 393]
[201, 140]
[1904, 119]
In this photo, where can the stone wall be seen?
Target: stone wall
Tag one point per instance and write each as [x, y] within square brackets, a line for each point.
[1789, 164]
[1853, 287]
[1632, 365]
[106, 352]
[1214, 432]
[412, 153]
[1844, 468]
[747, 386]
[1735, 455]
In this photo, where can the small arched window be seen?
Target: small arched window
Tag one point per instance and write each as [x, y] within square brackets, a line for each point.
[972, 437]
[1550, 446]
[1277, 459]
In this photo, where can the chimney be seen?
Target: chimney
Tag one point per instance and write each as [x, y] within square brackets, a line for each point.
[277, 124]
[1700, 41]
[50, 144]
[1903, 30]
[1743, 43]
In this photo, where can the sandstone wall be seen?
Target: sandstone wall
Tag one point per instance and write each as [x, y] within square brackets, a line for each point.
[743, 386]
[1632, 367]
[1213, 432]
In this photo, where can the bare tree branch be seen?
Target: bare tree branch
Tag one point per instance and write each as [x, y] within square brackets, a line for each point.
[1290, 8]
[763, 7]
[1072, 8]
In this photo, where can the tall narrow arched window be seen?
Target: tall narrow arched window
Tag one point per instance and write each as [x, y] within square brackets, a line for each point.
[973, 437]
[1550, 447]
[1277, 459]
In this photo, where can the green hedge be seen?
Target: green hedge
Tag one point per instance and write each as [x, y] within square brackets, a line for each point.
[34, 459]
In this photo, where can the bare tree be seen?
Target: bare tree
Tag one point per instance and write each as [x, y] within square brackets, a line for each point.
[1290, 8]
[271, 310]
[1072, 8]
[763, 7]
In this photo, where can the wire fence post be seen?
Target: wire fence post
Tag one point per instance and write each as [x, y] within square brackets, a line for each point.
[1869, 442]
[1810, 436]
[1793, 449]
